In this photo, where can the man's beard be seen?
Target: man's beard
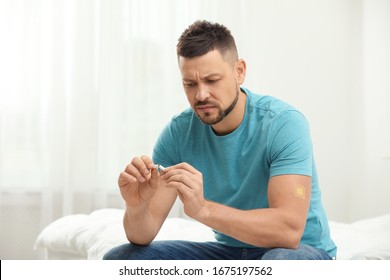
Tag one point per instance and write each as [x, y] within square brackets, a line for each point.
[221, 113]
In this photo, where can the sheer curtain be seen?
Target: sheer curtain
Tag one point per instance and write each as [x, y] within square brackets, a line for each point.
[85, 86]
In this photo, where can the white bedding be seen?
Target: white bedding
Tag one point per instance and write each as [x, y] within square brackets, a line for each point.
[85, 236]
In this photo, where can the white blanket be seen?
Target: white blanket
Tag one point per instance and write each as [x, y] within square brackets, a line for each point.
[84, 236]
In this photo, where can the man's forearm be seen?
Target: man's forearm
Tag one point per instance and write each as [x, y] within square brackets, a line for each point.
[280, 225]
[140, 227]
[143, 223]
[269, 227]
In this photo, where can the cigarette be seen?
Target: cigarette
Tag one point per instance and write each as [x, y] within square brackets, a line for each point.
[159, 167]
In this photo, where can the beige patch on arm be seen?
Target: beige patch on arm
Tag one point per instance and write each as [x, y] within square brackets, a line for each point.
[299, 191]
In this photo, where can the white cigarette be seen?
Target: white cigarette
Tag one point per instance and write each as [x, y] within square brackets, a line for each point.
[159, 167]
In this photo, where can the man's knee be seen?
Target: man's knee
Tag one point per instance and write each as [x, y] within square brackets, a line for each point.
[158, 250]
[304, 252]
[110, 255]
[122, 252]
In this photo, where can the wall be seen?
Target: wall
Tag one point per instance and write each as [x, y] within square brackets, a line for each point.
[309, 53]
[331, 59]
[372, 197]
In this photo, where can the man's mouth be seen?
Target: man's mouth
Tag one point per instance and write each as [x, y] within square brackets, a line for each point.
[205, 108]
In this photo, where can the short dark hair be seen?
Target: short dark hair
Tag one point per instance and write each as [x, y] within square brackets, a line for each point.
[203, 36]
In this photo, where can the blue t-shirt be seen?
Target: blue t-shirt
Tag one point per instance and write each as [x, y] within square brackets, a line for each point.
[273, 139]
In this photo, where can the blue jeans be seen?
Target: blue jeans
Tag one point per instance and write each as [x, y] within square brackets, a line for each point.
[188, 250]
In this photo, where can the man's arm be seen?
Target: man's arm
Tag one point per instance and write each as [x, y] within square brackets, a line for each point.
[280, 225]
[148, 202]
[143, 224]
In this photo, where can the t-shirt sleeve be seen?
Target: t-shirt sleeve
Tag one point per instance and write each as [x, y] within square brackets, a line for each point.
[166, 150]
[290, 147]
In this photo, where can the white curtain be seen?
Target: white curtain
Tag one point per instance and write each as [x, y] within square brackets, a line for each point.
[84, 86]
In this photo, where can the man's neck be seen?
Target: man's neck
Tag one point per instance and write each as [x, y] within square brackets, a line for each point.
[233, 120]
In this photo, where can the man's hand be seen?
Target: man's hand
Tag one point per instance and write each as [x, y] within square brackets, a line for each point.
[189, 184]
[139, 181]
[148, 202]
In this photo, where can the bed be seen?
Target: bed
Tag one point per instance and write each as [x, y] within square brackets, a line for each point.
[89, 236]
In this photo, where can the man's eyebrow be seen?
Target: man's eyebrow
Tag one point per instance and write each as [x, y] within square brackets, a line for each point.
[211, 75]
[205, 77]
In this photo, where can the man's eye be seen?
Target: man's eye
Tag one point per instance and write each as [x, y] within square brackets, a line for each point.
[212, 81]
[189, 84]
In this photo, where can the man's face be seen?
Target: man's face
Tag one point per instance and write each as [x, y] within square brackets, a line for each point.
[212, 85]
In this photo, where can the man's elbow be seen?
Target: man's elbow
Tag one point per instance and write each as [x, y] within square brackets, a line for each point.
[142, 239]
[292, 238]
[139, 242]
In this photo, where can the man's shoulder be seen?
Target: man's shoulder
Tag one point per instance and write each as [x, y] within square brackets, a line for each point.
[267, 104]
[272, 110]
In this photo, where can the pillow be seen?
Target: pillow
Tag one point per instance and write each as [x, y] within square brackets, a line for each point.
[378, 254]
[172, 229]
[91, 236]
[363, 239]
[75, 234]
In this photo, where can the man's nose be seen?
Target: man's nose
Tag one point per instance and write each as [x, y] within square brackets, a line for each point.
[203, 93]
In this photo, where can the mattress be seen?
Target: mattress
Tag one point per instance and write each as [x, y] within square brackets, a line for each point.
[90, 236]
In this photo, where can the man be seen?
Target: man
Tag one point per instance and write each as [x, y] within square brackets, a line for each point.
[241, 163]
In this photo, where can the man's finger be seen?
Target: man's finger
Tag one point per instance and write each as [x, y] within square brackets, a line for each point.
[183, 189]
[125, 178]
[183, 166]
[141, 168]
[147, 161]
[154, 173]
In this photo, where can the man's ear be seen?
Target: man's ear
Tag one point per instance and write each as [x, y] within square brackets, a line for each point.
[240, 71]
